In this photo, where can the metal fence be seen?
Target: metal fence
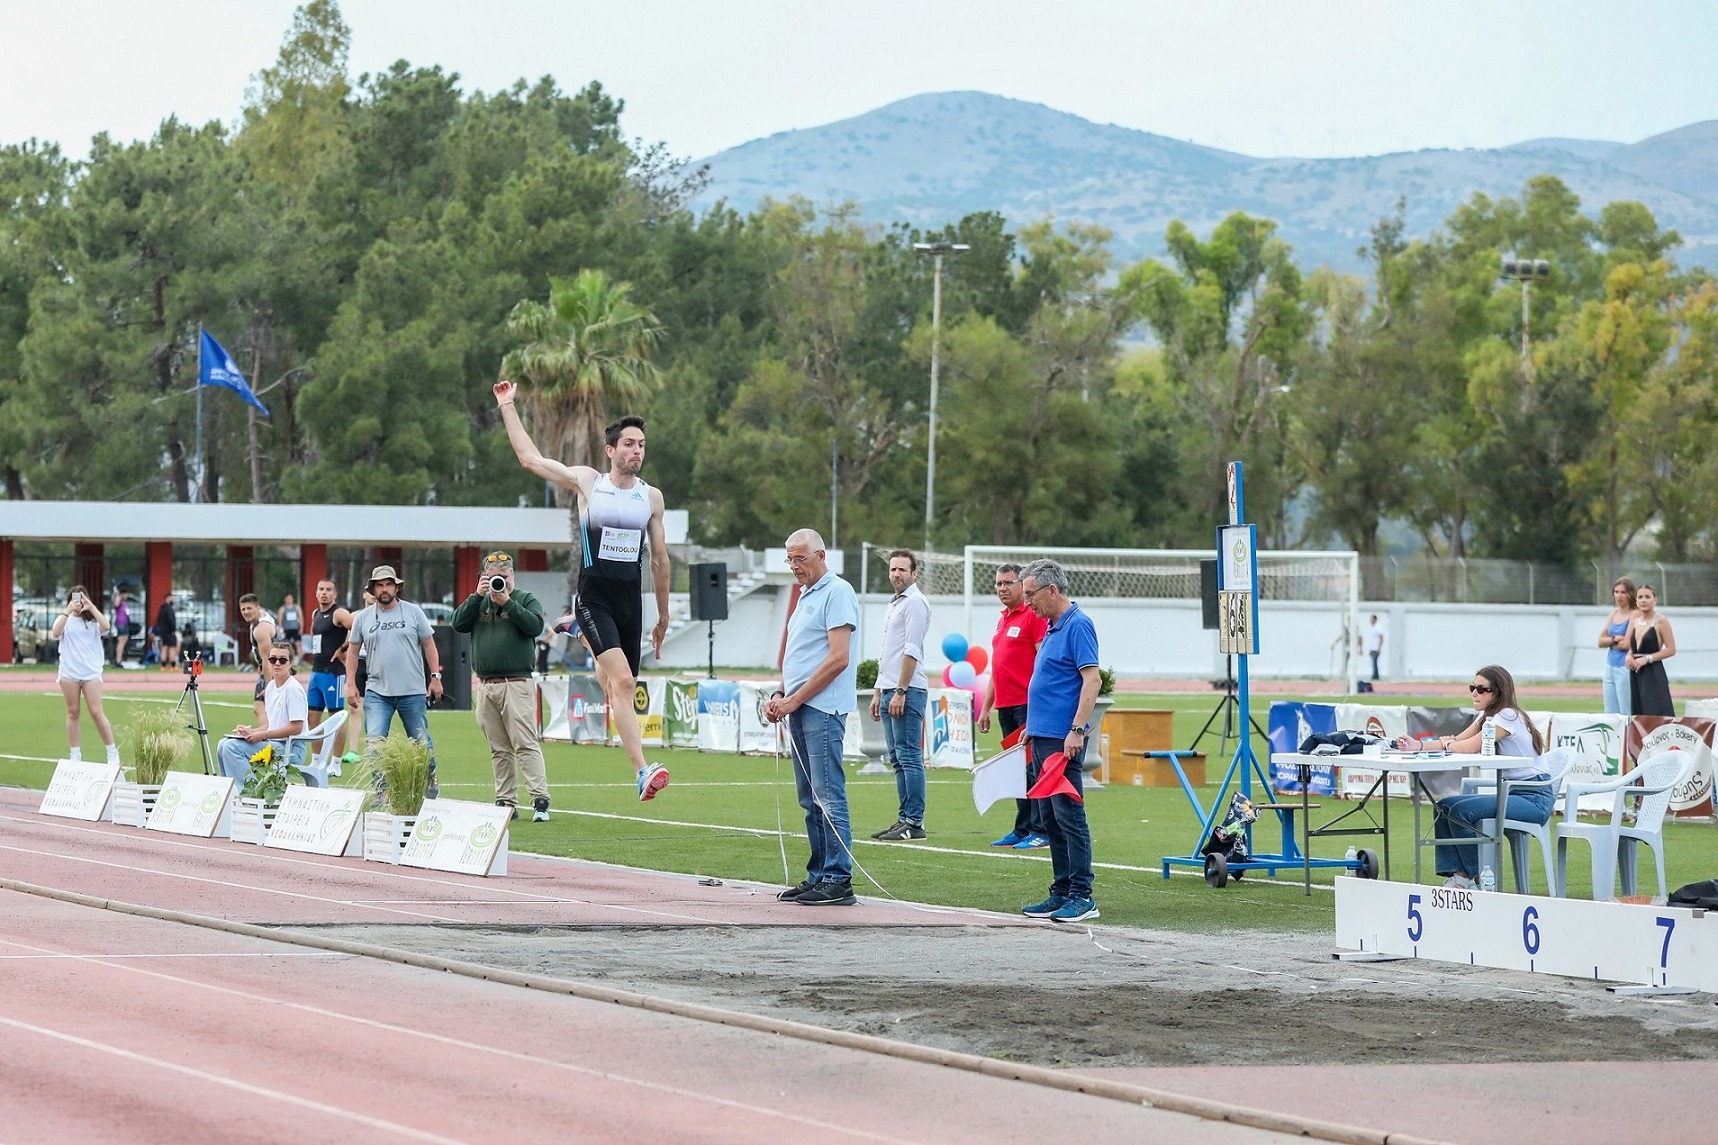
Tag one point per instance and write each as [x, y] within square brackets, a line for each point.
[1459, 580]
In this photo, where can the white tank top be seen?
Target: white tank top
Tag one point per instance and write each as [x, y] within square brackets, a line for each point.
[615, 523]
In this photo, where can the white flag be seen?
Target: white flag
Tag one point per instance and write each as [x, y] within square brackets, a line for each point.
[1002, 776]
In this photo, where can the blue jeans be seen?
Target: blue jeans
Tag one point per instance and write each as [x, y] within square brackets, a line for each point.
[1458, 815]
[379, 711]
[905, 740]
[822, 789]
[1065, 826]
[233, 757]
[1619, 698]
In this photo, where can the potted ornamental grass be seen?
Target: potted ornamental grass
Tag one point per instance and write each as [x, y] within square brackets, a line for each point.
[264, 787]
[157, 740]
[396, 770]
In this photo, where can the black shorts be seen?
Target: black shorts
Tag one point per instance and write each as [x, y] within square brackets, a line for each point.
[262, 686]
[611, 615]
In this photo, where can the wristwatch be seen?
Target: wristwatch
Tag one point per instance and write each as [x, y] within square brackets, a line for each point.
[435, 675]
[1085, 730]
[900, 691]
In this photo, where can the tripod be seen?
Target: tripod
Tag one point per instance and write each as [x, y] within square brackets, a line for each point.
[1226, 707]
[194, 669]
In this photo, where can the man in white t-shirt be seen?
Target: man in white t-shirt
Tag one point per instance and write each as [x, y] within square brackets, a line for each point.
[1374, 642]
[287, 709]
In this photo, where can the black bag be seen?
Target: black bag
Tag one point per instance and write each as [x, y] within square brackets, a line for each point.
[1703, 894]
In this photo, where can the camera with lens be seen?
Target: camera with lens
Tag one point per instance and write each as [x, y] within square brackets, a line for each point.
[193, 665]
[497, 583]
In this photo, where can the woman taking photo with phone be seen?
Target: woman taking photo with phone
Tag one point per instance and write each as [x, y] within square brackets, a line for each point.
[79, 629]
[1651, 643]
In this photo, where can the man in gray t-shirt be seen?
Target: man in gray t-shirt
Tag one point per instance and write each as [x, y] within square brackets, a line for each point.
[398, 644]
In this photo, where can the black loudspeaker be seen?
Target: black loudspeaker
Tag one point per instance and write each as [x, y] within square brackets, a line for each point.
[709, 591]
[454, 651]
[1208, 594]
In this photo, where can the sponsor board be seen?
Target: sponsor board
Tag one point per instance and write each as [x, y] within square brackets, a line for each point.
[80, 790]
[680, 714]
[192, 804]
[459, 836]
[1597, 744]
[1653, 735]
[718, 715]
[948, 728]
[317, 820]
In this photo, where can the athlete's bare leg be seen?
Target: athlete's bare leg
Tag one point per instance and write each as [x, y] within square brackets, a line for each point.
[618, 684]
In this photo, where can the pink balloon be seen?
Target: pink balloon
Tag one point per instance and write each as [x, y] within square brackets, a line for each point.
[948, 681]
[978, 658]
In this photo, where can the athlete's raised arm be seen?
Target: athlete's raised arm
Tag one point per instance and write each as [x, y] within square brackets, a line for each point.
[568, 476]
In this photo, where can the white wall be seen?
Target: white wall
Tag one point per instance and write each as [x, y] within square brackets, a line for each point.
[1162, 638]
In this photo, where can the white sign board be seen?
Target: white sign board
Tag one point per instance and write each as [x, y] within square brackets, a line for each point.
[757, 736]
[80, 790]
[1610, 941]
[316, 820]
[459, 836]
[948, 728]
[192, 804]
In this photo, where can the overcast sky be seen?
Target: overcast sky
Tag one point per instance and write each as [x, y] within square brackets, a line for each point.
[1266, 77]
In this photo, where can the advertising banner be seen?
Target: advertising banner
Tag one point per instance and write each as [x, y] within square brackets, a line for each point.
[718, 716]
[574, 709]
[1652, 735]
[459, 836]
[757, 735]
[79, 790]
[1597, 741]
[1289, 723]
[191, 803]
[948, 728]
[680, 713]
[317, 820]
[1386, 720]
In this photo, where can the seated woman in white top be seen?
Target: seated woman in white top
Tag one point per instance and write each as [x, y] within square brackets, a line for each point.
[286, 707]
[1493, 690]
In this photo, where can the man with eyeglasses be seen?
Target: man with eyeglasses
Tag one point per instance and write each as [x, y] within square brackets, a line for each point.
[286, 710]
[398, 645]
[504, 624]
[1059, 706]
[819, 687]
[1013, 650]
[618, 514]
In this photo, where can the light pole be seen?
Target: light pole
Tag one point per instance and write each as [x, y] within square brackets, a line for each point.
[1525, 271]
[936, 250]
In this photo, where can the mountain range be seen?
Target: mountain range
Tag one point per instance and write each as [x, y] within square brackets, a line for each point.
[931, 159]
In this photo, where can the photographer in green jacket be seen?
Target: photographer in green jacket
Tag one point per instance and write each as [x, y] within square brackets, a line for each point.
[504, 623]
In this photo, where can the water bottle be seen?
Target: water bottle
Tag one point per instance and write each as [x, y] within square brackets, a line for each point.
[1352, 854]
[1487, 880]
[1488, 736]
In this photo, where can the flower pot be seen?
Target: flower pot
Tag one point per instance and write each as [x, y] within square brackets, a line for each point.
[385, 835]
[1094, 742]
[132, 803]
[251, 819]
[871, 742]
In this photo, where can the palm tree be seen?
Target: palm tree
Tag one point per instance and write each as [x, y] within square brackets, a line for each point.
[586, 352]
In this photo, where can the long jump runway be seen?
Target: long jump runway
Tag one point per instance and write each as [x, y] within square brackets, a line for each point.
[126, 1029]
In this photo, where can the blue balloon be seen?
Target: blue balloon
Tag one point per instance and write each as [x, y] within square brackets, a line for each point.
[963, 675]
[954, 647]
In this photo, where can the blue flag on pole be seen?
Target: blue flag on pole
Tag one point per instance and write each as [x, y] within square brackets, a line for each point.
[215, 367]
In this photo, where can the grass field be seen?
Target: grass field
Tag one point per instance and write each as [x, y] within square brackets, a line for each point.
[720, 815]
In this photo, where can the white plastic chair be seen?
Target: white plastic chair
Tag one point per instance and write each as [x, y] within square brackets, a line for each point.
[221, 645]
[1652, 783]
[1556, 764]
[320, 741]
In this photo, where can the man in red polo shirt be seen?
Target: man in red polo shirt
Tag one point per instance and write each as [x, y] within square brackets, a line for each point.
[1013, 651]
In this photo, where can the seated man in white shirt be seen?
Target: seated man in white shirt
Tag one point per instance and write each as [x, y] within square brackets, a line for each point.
[286, 708]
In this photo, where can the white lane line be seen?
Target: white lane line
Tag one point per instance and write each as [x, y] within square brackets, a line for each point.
[233, 1083]
[510, 1055]
[134, 869]
[283, 954]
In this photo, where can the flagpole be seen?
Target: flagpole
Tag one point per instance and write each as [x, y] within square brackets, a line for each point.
[199, 496]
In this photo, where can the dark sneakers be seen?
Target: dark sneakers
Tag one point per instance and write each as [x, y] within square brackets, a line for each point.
[828, 893]
[901, 830]
[793, 893]
[539, 811]
[504, 803]
[889, 832]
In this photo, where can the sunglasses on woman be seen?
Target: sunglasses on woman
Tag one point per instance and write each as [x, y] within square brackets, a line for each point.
[1478, 690]
[280, 660]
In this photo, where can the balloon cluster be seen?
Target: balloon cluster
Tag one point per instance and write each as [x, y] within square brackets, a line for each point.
[966, 662]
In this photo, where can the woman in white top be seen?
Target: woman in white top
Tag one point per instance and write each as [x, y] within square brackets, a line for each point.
[1493, 691]
[286, 708]
[79, 629]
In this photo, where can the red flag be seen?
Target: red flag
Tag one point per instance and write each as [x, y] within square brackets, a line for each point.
[1053, 780]
[1014, 737]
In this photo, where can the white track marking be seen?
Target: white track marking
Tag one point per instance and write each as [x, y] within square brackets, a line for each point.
[233, 1083]
[459, 1043]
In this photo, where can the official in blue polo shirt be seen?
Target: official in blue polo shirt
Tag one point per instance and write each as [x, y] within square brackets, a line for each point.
[1059, 705]
[819, 688]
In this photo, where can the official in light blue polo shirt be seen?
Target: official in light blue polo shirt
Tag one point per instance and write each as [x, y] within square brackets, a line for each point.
[819, 688]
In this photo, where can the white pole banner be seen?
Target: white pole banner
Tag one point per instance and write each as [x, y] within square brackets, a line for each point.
[1596, 740]
[557, 700]
[948, 728]
[718, 715]
[317, 820]
[757, 735]
[459, 836]
[192, 804]
[80, 790]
